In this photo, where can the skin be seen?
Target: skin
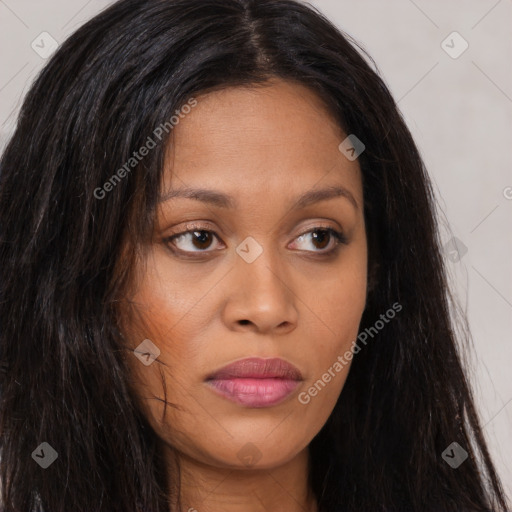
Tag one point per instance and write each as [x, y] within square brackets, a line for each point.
[264, 147]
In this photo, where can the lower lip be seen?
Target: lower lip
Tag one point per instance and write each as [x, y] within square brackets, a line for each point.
[254, 392]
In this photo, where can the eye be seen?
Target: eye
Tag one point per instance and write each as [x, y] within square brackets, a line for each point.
[197, 239]
[320, 238]
[193, 240]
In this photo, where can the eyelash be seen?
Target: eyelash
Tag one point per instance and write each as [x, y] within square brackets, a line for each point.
[339, 239]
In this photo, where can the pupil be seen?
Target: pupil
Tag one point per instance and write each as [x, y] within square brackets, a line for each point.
[202, 238]
[322, 237]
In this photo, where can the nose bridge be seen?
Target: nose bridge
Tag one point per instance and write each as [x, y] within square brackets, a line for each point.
[263, 294]
[264, 275]
[261, 269]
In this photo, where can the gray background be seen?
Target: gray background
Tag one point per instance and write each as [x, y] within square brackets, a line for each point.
[459, 111]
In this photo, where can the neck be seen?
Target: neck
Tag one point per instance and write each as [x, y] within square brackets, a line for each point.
[207, 488]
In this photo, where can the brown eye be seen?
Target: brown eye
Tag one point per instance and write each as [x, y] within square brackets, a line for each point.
[197, 241]
[193, 240]
[202, 239]
[320, 238]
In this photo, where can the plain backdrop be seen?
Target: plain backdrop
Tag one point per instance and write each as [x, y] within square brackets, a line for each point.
[448, 64]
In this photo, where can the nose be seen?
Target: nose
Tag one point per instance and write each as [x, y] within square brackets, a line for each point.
[261, 297]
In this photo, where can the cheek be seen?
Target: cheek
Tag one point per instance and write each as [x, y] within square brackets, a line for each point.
[339, 305]
[331, 356]
[160, 310]
[167, 308]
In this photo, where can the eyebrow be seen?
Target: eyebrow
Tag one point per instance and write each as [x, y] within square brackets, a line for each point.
[225, 201]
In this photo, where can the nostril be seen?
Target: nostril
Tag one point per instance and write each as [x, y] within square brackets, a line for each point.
[244, 322]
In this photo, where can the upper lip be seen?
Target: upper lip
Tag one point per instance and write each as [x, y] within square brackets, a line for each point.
[257, 368]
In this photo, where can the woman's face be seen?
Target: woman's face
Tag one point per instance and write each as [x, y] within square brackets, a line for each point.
[261, 277]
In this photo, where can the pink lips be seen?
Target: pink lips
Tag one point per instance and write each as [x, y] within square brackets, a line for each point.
[255, 382]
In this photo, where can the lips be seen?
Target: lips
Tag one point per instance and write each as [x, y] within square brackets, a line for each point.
[256, 368]
[255, 382]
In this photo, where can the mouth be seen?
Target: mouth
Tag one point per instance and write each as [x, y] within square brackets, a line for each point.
[255, 382]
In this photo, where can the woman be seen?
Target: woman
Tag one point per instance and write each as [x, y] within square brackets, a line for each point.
[221, 283]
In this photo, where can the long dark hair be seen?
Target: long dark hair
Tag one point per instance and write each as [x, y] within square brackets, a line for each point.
[66, 255]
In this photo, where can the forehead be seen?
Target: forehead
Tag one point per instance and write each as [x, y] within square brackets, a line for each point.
[279, 136]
